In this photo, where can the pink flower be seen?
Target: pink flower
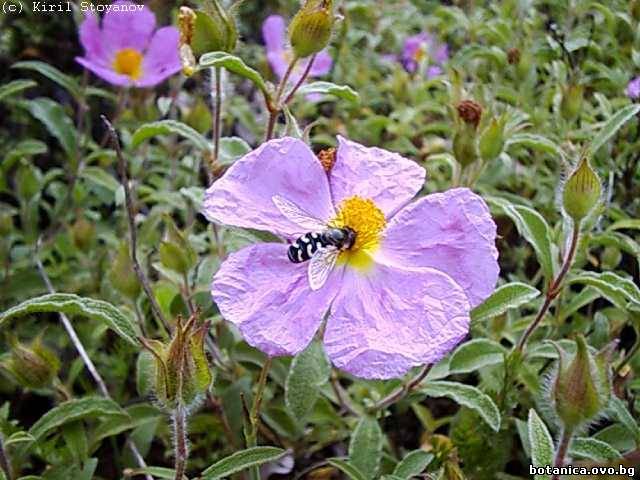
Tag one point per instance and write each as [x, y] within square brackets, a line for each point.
[633, 89]
[398, 298]
[423, 48]
[128, 50]
[279, 56]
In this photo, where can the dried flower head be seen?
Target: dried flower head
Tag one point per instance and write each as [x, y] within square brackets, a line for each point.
[470, 112]
[327, 158]
[513, 56]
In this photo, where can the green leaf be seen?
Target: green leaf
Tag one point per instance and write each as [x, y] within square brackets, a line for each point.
[309, 370]
[344, 92]
[413, 464]
[73, 410]
[475, 354]
[541, 443]
[239, 461]
[19, 437]
[100, 177]
[347, 468]
[534, 228]
[53, 116]
[166, 127]
[11, 88]
[365, 447]
[468, 396]
[593, 449]
[71, 304]
[232, 149]
[614, 124]
[504, 298]
[52, 73]
[234, 65]
[627, 223]
[620, 411]
[159, 472]
[620, 291]
[536, 142]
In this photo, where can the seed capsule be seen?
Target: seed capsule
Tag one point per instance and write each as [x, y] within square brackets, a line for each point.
[310, 30]
[581, 191]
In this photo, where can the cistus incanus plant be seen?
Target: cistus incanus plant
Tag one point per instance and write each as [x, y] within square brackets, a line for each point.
[127, 50]
[397, 297]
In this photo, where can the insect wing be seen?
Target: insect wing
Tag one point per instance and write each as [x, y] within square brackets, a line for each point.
[297, 215]
[320, 266]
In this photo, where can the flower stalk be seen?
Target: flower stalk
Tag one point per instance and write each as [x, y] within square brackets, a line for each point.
[251, 434]
[401, 392]
[180, 441]
[563, 448]
[275, 107]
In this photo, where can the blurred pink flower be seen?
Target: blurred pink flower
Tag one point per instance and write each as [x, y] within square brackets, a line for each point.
[421, 49]
[399, 297]
[633, 89]
[127, 50]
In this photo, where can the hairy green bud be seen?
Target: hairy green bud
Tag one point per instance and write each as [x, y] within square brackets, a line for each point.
[182, 369]
[310, 30]
[176, 253]
[492, 140]
[571, 103]
[465, 144]
[122, 275]
[581, 191]
[83, 233]
[33, 366]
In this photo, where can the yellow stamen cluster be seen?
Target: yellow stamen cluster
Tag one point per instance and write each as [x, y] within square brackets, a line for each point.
[128, 61]
[367, 221]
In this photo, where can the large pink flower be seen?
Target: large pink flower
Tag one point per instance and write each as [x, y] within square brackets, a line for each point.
[128, 50]
[399, 298]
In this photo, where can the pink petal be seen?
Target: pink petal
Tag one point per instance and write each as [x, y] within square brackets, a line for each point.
[128, 29]
[161, 59]
[384, 177]
[106, 73]
[91, 37]
[321, 65]
[286, 167]
[277, 62]
[452, 232]
[273, 30]
[269, 298]
[392, 319]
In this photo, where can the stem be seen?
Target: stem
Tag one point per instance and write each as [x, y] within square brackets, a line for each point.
[300, 81]
[254, 415]
[565, 440]
[276, 108]
[187, 294]
[84, 355]
[554, 288]
[180, 439]
[401, 392]
[122, 167]
[217, 113]
[4, 461]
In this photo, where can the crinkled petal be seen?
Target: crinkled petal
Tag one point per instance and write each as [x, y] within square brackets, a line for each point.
[452, 232]
[286, 167]
[128, 29]
[321, 65]
[387, 178]
[91, 37]
[269, 298]
[273, 30]
[392, 319]
[106, 73]
[161, 59]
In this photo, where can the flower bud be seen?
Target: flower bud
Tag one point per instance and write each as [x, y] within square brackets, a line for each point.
[470, 112]
[492, 140]
[182, 370]
[33, 366]
[582, 389]
[310, 29]
[176, 253]
[513, 56]
[83, 233]
[186, 26]
[122, 276]
[581, 191]
[465, 145]
[214, 30]
[571, 103]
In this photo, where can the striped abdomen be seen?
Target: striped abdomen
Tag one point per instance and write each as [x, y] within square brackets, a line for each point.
[305, 246]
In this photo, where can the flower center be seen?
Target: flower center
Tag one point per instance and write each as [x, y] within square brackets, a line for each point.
[419, 54]
[367, 221]
[128, 62]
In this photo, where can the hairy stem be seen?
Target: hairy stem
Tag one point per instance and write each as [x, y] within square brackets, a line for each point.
[554, 288]
[254, 415]
[180, 441]
[401, 392]
[300, 81]
[276, 108]
[563, 447]
[142, 278]
[75, 340]
[217, 113]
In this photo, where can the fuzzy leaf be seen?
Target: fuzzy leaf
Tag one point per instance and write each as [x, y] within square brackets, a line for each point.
[347, 468]
[620, 411]
[620, 291]
[53, 116]
[593, 449]
[232, 149]
[541, 443]
[504, 298]
[100, 177]
[468, 396]
[71, 304]
[344, 92]
[615, 122]
[234, 65]
[413, 464]
[365, 447]
[158, 472]
[239, 461]
[166, 127]
[11, 88]
[475, 354]
[536, 142]
[309, 370]
[65, 81]
[73, 410]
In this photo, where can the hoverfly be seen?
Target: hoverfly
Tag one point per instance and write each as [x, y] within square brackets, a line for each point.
[321, 246]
